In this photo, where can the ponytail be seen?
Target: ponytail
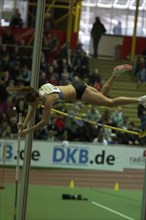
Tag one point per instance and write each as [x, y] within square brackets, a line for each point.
[21, 89]
[27, 92]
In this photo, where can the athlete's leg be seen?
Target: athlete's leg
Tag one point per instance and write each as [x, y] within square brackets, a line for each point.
[107, 85]
[93, 97]
[96, 98]
[116, 72]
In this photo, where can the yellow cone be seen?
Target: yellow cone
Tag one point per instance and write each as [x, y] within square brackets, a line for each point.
[116, 186]
[71, 184]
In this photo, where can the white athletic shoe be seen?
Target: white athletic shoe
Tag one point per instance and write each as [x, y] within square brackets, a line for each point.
[121, 69]
[142, 101]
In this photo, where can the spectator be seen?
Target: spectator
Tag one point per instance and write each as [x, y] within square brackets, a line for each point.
[108, 135]
[55, 65]
[93, 114]
[48, 22]
[5, 76]
[97, 31]
[86, 133]
[6, 132]
[21, 107]
[42, 77]
[3, 92]
[52, 76]
[125, 123]
[80, 65]
[100, 139]
[54, 48]
[15, 73]
[65, 53]
[71, 125]
[117, 30]
[79, 48]
[50, 44]
[64, 67]
[25, 75]
[117, 117]
[106, 117]
[4, 57]
[60, 126]
[16, 20]
[126, 138]
[8, 38]
[65, 80]
[41, 134]
[47, 41]
[141, 71]
[142, 115]
[11, 82]
[43, 64]
[95, 79]
[7, 108]
[52, 128]
[13, 125]
[55, 41]
[16, 56]
[53, 79]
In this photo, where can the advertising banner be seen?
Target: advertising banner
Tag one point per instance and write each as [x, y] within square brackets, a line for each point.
[75, 155]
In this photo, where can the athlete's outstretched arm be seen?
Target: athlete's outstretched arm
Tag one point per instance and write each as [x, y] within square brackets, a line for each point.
[42, 122]
[29, 115]
[22, 125]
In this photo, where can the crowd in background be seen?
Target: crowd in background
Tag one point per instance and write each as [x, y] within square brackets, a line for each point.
[140, 69]
[59, 67]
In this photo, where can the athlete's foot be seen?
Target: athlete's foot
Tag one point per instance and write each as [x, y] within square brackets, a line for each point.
[142, 101]
[121, 69]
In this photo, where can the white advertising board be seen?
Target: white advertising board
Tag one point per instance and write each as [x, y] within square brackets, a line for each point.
[75, 155]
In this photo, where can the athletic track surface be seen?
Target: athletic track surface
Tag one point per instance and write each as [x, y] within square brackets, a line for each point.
[128, 179]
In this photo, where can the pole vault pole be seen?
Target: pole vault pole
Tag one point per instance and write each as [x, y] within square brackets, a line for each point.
[34, 83]
[143, 207]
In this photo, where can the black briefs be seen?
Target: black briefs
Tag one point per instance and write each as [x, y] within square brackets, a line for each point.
[80, 88]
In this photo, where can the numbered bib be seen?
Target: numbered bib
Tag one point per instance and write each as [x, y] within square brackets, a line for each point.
[49, 88]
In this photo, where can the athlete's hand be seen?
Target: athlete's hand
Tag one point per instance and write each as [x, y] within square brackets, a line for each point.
[23, 132]
[20, 126]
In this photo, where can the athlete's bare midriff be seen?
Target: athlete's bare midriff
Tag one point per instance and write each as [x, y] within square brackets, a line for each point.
[69, 92]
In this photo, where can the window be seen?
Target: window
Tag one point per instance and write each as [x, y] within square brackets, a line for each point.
[110, 12]
[7, 8]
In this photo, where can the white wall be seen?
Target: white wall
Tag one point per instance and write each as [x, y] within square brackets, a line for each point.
[107, 45]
